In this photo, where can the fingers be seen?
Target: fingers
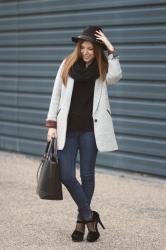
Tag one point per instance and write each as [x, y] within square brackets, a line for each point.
[51, 134]
[99, 31]
[50, 137]
[100, 35]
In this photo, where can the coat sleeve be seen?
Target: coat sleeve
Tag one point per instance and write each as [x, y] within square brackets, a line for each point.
[55, 99]
[114, 73]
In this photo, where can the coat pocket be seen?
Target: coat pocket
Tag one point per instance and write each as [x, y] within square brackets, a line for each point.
[109, 112]
[58, 111]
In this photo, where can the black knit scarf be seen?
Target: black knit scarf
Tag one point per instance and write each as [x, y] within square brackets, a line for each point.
[79, 72]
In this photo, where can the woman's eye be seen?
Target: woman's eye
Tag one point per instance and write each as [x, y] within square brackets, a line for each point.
[88, 49]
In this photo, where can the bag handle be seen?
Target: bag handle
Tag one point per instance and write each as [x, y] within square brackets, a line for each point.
[54, 148]
[49, 147]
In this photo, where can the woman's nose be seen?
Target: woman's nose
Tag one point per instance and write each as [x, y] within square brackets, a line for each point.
[85, 52]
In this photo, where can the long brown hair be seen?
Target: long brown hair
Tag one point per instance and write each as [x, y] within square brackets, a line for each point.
[76, 54]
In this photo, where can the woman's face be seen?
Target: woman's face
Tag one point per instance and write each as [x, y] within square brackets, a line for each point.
[87, 51]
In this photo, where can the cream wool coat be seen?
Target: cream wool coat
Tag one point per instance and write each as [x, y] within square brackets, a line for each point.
[103, 125]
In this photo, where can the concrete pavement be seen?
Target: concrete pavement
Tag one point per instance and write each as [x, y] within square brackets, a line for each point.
[132, 208]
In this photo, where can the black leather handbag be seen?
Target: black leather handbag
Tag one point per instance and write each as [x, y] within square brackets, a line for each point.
[49, 184]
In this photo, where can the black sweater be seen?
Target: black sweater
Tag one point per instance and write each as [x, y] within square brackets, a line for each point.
[80, 113]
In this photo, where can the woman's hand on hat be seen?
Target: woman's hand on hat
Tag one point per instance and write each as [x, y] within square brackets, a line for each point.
[102, 37]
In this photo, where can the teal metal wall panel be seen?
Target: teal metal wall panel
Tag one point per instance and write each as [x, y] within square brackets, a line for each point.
[35, 37]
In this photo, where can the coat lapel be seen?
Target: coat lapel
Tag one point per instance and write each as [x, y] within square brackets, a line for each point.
[97, 94]
[68, 93]
[69, 89]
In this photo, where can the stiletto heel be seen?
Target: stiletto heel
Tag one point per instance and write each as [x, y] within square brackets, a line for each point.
[101, 223]
[78, 235]
[94, 235]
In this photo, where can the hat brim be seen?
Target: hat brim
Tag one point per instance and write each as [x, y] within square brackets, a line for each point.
[87, 38]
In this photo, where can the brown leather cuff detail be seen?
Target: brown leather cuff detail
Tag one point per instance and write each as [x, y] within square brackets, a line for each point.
[51, 124]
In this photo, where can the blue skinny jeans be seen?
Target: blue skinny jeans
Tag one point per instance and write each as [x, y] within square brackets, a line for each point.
[81, 193]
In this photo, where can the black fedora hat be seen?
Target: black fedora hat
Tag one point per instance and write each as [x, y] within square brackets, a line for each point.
[88, 34]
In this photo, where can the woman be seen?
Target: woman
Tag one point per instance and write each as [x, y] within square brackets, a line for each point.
[80, 117]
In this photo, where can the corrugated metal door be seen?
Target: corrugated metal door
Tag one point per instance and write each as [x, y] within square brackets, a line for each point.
[35, 37]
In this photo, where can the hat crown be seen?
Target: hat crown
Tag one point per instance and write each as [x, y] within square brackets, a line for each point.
[90, 31]
[88, 34]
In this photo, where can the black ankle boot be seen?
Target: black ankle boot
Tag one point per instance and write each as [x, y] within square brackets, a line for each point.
[77, 235]
[94, 235]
